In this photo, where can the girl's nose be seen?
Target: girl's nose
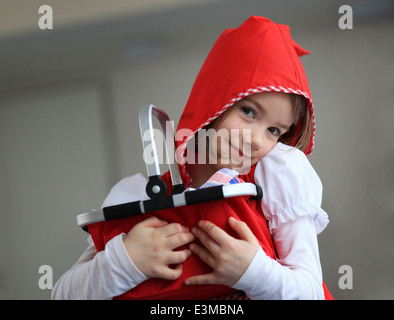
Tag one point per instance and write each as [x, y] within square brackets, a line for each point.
[257, 139]
[255, 147]
[248, 140]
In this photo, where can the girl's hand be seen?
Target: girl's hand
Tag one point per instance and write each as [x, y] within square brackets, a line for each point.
[151, 243]
[227, 256]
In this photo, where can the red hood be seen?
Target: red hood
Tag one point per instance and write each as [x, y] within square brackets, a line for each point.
[258, 56]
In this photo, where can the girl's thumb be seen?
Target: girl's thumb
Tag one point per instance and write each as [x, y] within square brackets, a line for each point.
[242, 229]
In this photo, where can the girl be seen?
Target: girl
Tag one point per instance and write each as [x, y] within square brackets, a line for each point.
[251, 81]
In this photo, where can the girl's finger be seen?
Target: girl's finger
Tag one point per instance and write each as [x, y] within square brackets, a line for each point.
[216, 233]
[170, 273]
[204, 255]
[179, 239]
[176, 257]
[152, 222]
[209, 278]
[172, 229]
[242, 229]
[206, 240]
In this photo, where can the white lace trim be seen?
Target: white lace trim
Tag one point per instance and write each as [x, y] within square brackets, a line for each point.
[296, 210]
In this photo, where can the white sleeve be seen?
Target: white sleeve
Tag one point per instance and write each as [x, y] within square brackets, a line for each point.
[296, 275]
[127, 190]
[291, 203]
[110, 272]
[99, 276]
[291, 188]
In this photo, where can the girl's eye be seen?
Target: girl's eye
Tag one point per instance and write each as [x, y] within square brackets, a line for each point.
[274, 131]
[248, 112]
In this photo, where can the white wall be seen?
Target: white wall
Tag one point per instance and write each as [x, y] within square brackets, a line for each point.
[53, 166]
[65, 142]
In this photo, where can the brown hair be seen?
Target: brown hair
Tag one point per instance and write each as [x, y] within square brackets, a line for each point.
[301, 132]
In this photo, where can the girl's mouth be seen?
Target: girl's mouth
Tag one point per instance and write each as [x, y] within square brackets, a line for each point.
[237, 154]
[241, 154]
[239, 159]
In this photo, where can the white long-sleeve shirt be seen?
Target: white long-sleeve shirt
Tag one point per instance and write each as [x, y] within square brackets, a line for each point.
[291, 204]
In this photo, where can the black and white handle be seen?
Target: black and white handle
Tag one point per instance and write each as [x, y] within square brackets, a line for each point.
[156, 188]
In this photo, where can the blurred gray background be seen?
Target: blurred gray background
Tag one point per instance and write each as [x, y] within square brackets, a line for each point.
[69, 101]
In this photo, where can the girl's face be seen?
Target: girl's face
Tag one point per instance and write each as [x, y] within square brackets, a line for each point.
[250, 129]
